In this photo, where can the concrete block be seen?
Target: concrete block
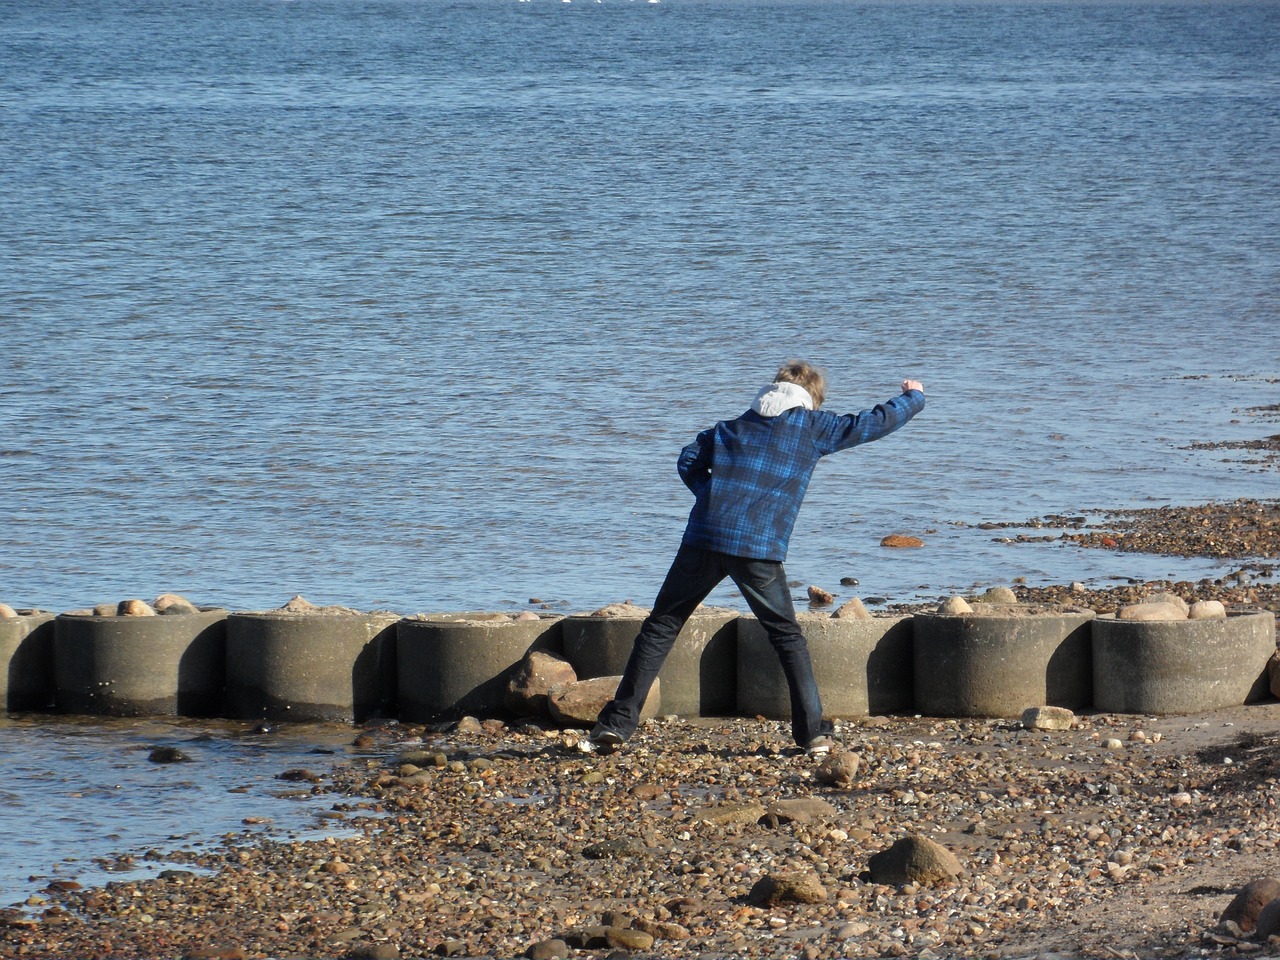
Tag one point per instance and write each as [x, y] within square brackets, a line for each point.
[26, 661]
[457, 663]
[863, 667]
[140, 666]
[1001, 659]
[309, 666]
[699, 678]
[1181, 666]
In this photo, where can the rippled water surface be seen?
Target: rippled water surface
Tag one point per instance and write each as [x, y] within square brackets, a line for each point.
[81, 800]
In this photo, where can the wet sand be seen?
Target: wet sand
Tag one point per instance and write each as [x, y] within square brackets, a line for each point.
[1124, 836]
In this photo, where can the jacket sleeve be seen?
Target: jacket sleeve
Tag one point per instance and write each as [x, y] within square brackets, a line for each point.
[840, 432]
[694, 463]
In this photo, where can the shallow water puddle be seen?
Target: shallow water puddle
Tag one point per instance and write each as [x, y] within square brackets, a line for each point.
[82, 800]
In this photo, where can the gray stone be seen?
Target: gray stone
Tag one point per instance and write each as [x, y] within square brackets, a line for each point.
[580, 703]
[1207, 610]
[839, 769]
[1246, 908]
[1147, 611]
[801, 810]
[537, 675]
[1048, 718]
[548, 950]
[915, 859]
[797, 887]
[852, 610]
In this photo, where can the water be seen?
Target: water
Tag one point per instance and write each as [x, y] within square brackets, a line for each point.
[412, 304]
[81, 801]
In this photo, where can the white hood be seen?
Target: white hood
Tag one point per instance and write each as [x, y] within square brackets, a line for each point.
[778, 398]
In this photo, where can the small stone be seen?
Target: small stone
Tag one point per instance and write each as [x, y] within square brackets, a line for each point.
[852, 610]
[621, 847]
[134, 608]
[1048, 718]
[299, 604]
[819, 597]
[1182, 799]
[373, 951]
[167, 755]
[1268, 921]
[106, 609]
[451, 948]
[626, 609]
[801, 810]
[900, 540]
[171, 604]
[626, 938]
[1112, 744]
[1246, 908]
[796, 887]
[548, 950]
[1148, 612]
[954, 607]
[730, 812]
[1207, 610]
[915, 859]
[7, 612]
[580, 703]
[839, 768]
[468, 727]
[1169, 598]
[999, 595]
[335, 867]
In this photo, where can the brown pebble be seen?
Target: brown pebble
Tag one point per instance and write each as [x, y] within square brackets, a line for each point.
[899, 540]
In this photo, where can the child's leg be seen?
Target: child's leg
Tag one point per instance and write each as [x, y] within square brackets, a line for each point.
[694, 573]
[764, 585]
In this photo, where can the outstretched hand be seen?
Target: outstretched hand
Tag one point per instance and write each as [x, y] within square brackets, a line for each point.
[909, 385]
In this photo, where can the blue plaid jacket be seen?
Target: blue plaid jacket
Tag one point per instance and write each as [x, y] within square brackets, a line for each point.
[749, 475]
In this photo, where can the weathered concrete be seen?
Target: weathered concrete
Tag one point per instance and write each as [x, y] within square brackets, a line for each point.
[304, 666]
[455, 664]
[699, 677]
[140, 666]
[1181, 666]
[26, 660]
[863, 666]
[996, 663]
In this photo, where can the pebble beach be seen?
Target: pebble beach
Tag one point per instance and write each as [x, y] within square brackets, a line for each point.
[1109, 836]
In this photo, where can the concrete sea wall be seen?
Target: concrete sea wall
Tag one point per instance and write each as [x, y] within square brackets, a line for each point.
[309, 663]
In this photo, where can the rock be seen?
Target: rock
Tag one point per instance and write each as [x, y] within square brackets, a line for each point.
[954, 607]
[625, 938]
[215, 953]
[819, 597]
[901, 540]
[548, 950]
[537, 675]
[1273, 667]
[168, 755]
[999, 595]
[468, 727]
[1165, 596]
[662, 929]
[801, 810]
[451, 948]
[796, 887]
[618, 848]
[588, 938]
[852, 610]
[580, 703]
[1268, 921]
[1207, 610]
[1246, 908]
[1147, 611]
[915, 859]
[1048, 718]
[627, 609]
[373, 951]
[171, 604]
[729, 812]
[134, 608]
[838, 769]
[299, 604]
[7, 612]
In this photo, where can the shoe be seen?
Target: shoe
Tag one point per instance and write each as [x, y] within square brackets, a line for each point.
[819, 746]
[600, 741]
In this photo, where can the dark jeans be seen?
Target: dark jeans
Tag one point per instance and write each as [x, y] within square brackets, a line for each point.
[694, 574]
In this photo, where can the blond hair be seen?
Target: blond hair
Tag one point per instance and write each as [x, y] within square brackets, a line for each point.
[805, 375]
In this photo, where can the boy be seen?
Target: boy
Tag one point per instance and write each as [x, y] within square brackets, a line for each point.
[748, 477]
